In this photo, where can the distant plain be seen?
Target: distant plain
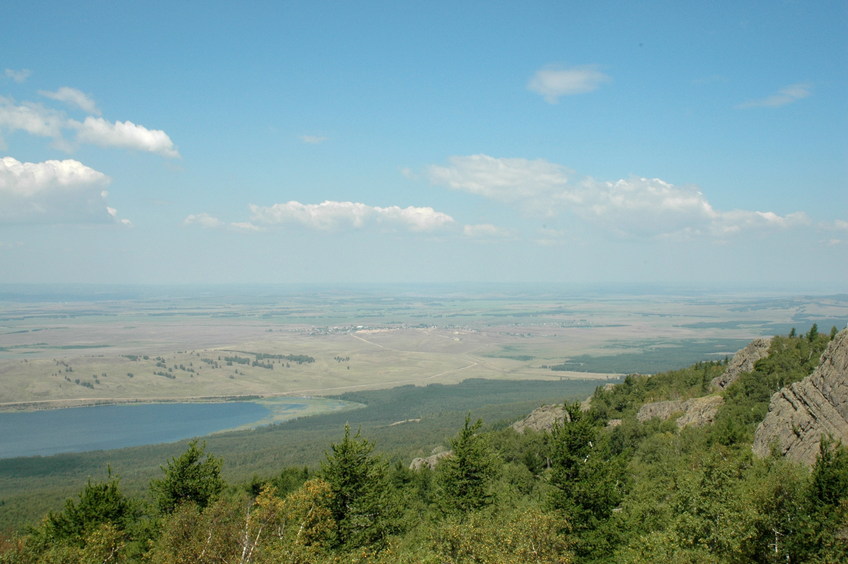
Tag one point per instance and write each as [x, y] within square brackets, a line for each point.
[90, 345]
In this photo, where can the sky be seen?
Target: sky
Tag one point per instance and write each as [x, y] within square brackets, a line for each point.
[668, 142]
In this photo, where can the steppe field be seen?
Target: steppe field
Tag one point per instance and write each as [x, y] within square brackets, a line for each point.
[86, 345]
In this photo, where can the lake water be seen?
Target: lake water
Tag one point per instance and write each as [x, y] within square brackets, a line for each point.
[116, 426]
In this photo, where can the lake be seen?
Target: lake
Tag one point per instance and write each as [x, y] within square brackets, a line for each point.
[116, 426]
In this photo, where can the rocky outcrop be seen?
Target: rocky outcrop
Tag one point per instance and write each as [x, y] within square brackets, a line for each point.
[801, 413]
[700, 411]
[429, 462]
[541, 419]
[696, 411]
[660, 410]
[742, 361]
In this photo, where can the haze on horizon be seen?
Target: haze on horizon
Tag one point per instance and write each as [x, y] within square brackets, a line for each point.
[327, 142]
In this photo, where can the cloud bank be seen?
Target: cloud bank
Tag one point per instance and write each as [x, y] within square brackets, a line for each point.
[631, 207]
[53, 192]
[333, 216]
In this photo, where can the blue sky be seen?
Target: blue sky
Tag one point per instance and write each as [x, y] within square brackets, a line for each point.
[332, 142]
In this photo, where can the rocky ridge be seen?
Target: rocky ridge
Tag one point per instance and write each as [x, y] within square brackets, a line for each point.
[742, 361]
[801, 413]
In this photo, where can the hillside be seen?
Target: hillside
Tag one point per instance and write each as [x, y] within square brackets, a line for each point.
[661, 468]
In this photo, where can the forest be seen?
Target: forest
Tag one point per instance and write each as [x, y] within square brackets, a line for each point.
[600, 486]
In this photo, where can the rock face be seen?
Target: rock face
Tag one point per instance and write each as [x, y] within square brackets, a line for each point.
[541, 419]
[696, 411]
[800, 413]
[742, 361]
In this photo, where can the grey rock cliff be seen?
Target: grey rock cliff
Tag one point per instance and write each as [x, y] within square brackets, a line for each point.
[742, 361]
[800, 413]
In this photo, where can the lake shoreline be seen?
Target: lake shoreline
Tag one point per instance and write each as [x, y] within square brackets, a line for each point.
[48, 405]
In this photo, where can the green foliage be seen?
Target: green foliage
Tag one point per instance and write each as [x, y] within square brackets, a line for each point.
[194, 477]
[95, 527]
[823, 532]
[588, 481]
[636, 389]
[360, 488]
[521, 536]
[465, 478]
[99, 503]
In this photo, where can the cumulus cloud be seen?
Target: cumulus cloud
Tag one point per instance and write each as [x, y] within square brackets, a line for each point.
[640, 207]
[18, 76]
[124, 134]
[555, 82]
[784, 96]
[332, 215]
[73, 97]
[53, 192]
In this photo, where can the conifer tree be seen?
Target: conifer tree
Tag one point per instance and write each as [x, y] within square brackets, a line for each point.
[588, 481]
[359, 489]
[465, 478]
[190, 478]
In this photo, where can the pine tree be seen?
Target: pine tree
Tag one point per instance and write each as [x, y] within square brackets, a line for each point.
[465, 478]
[360, 490]
[588, 481]
[191, 478]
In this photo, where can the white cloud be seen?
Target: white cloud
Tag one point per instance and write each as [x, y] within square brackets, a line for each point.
[554, 82]
[784, 96]
[330, 215]
[204, 220]
[640, 207]
[53, 192]
[73, 97]
[522, 181]
[124, 134]
[313, 139]
[35, 119]
[18, 76]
